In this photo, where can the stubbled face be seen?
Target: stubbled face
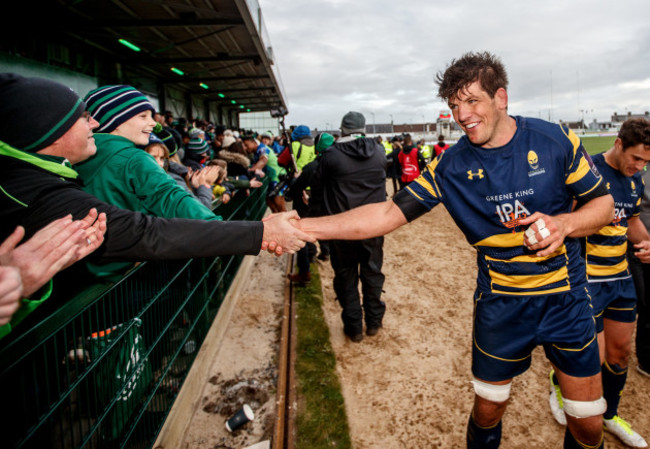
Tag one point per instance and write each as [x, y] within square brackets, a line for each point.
[158, 154]
[633, 159]
[482, 118]
[137, 129]
[78, 143]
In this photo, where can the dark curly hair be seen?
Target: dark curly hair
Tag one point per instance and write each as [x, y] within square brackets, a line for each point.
[483, 67]
[635, 131]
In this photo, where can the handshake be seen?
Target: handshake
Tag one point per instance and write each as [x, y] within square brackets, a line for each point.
[282, 234]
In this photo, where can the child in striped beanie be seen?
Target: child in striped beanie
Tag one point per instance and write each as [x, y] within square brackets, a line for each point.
[121, 172]
[122, 110]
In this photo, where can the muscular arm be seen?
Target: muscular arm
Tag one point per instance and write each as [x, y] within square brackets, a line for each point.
[584, 221]
[371, 220]
[589, 218]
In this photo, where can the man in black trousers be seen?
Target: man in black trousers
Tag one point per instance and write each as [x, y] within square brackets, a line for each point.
[352, 172]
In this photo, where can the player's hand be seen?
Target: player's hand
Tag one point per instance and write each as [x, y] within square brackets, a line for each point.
[545, 233]
[643, 252]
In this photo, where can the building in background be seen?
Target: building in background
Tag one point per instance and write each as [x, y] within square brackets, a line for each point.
[259, 122]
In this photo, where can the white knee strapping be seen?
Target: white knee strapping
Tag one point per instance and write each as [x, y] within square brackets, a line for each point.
[584, 409]
[491, 392]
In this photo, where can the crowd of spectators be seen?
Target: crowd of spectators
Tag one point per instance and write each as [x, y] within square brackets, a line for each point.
[131, 183]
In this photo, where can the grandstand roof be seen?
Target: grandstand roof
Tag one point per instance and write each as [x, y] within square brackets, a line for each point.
[222, 44]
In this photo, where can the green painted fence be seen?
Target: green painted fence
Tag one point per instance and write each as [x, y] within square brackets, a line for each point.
[103, 370]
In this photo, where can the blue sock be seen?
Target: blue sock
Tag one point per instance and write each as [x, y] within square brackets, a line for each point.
[483, 438]
[614, 378]
[571, 443]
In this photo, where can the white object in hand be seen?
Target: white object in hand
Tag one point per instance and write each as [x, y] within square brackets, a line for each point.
[544, 232]
[530, 235]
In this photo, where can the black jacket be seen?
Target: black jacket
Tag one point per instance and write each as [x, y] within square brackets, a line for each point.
[304, 181]
[33, 195]
[351, 173]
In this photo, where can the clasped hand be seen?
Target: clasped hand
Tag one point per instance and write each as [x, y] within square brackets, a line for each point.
[281, 236]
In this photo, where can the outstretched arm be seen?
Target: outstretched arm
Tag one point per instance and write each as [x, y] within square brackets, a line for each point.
[547, 233]
[364, 222]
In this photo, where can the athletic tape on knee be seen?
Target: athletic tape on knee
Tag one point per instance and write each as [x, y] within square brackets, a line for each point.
[491, 392]
[584, 409]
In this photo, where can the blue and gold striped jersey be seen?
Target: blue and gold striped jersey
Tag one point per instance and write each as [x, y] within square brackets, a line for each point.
[543, 168]
[605, 250]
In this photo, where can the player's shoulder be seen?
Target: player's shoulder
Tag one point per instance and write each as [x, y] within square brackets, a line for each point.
[542, 130]
[450, 155]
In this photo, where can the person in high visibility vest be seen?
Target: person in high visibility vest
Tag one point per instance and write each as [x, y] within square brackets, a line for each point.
[302, 146]
[387, 146]
[425, 151]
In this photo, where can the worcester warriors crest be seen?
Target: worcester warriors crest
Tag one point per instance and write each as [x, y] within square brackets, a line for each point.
[533, 162]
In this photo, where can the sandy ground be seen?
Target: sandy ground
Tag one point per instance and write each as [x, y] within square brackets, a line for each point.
[245, 369]
[407, 387]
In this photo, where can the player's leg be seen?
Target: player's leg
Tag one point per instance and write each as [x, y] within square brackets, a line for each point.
[583, 406]
[490, 402]
[504, 337]
[618, 347]
[568, 333]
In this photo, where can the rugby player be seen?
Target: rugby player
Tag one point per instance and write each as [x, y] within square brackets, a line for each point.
[610, 282]
[509, 184]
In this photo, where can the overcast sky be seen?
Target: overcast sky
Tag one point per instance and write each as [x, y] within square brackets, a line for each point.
[381, 56]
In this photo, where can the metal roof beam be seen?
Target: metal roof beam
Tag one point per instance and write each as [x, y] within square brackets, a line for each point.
[130, 23]
[217, 58]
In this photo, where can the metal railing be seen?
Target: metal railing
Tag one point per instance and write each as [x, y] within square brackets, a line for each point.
[103, 370]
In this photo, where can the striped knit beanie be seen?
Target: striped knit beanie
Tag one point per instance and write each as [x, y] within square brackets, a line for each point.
[113, 105]
[166, 138]
[197, 146]
[169, 142]
[35, 112]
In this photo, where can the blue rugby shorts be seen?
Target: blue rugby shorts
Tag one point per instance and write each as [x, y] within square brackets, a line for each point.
[614, 300]
[508, 328]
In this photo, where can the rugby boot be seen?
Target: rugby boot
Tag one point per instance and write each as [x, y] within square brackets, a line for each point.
[556, 402]
[624, 432]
